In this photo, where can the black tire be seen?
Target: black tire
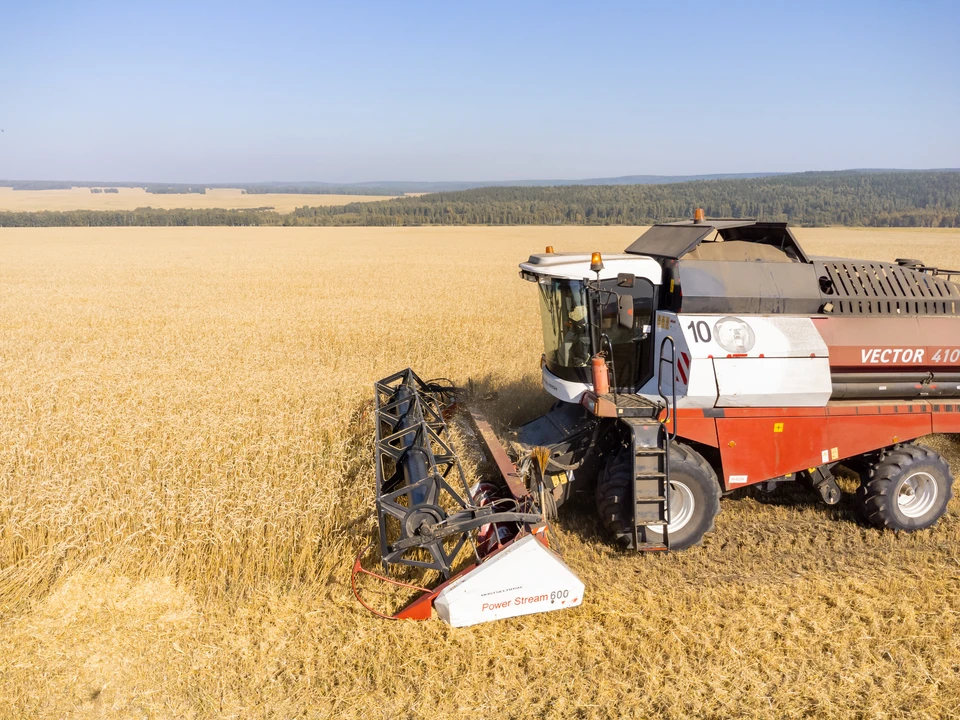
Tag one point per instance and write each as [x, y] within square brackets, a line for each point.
[907, 475]
[859, 465]
[688, 468]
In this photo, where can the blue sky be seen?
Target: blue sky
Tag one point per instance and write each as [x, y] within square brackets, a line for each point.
[353, 91]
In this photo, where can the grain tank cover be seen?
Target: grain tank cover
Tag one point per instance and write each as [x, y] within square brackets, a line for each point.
[668, 241]
[706, 240]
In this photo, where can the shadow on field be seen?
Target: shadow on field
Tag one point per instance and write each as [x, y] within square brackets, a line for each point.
[800, 495]
[508, 403]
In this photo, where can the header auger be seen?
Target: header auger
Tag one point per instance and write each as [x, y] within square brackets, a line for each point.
[712, 355]
[418, 509]
[427, 515]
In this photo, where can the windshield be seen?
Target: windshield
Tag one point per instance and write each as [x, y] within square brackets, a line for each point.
[566, 326]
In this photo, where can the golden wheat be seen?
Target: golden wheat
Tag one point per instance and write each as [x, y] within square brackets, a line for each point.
[80, 198]
[186, 475]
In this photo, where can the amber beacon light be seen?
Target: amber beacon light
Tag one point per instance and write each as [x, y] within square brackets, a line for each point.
[596, 262]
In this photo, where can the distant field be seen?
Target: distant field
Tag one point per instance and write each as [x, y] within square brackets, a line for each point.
[186, 475]
[939, 247]
[133, 198]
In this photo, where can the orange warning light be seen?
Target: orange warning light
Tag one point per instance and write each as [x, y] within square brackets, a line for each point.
[698, 215]
[596, 262]
[549, 249]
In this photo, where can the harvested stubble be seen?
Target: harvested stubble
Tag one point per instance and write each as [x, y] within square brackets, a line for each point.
[186, 475]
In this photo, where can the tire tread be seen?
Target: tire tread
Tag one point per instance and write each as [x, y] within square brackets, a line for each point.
[875, 494]
[613, 491]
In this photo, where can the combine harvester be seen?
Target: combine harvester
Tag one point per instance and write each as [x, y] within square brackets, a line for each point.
[713, 355]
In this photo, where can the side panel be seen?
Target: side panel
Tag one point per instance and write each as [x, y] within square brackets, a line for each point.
[853, 435]
[696, 428]
[757, 448]
[773, 382]
[891, 344]
[695, 382]
[755, 336]
[946, 418]
[760, 361]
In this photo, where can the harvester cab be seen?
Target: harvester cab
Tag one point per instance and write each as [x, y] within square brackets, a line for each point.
[714, 354]
[594, 306]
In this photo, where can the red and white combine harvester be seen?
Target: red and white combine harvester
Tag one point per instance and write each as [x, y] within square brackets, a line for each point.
[712, 355]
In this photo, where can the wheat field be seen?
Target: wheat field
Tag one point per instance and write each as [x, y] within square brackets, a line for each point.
[186, 475]
[80, 198]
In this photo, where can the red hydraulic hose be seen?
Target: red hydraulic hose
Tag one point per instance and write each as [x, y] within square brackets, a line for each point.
[357, 569]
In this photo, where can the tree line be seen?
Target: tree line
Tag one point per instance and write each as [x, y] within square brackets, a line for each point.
[878, 199]
[141, 217]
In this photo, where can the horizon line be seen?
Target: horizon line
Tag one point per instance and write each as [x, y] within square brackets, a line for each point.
[375, 183]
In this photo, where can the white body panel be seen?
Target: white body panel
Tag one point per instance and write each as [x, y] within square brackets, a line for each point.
[696, 384]
[719, 336]
[701, 387]
[523, 579]
[576, 266]
[773, 382]
[788, 361]
[564, 389]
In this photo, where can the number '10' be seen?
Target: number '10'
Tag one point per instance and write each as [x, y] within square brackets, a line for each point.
[700, 331]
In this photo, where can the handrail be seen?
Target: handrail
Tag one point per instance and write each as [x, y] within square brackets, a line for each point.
[613, 364]
[671, 406]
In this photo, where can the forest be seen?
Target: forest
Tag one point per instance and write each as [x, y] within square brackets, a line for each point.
[875, 199]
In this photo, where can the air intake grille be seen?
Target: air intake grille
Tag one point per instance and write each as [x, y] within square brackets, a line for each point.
[855, 287]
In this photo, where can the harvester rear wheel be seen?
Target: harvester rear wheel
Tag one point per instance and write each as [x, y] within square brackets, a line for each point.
[694, 498]
[907, 490]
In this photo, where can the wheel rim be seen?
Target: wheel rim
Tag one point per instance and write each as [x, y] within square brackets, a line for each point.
[916, 495]
[682, 506]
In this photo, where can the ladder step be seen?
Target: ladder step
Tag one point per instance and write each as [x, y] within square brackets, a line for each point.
[652, 547]
[650, 445]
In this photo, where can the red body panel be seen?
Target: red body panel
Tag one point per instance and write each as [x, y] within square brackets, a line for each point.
[696, 427]
[891, 344]
[758, 444]
[946, 422]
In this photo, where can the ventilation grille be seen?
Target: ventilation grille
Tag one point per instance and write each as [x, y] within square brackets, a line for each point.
[873, 288]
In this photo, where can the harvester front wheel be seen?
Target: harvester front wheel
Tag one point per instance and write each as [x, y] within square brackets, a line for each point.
[694, 498]
[907, 490]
